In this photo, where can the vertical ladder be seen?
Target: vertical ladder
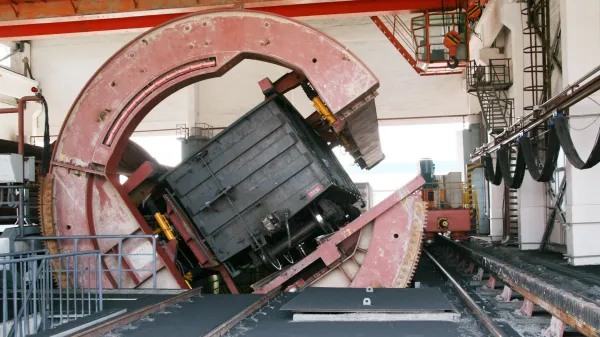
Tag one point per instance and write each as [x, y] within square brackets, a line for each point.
[511, 206]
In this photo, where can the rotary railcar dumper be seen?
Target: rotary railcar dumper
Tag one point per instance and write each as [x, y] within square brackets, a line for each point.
[266, 193]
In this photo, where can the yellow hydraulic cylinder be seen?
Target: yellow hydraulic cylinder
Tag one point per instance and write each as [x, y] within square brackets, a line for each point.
[329, 117]
[164, 225]
[322, 109]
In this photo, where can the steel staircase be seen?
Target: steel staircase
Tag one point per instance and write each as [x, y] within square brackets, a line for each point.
[489, 83]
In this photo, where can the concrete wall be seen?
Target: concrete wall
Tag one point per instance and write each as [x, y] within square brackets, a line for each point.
[580, 50]
[64, 65]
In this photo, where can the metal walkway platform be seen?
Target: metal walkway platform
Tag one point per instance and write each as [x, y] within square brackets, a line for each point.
[262, 315]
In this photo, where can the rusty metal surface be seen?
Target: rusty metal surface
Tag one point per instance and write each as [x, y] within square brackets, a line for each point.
[574, 309]
[393, 254]
[387, 239]
[87, 196]
[364, 128]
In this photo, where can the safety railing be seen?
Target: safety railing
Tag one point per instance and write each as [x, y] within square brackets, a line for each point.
[401, 31]
[126, 260]
[490, 83]
[16, 205]
[497, 75]
[451, 195]
[37, 296]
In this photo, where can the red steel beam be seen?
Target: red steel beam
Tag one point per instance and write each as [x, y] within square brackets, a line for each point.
[21, 20]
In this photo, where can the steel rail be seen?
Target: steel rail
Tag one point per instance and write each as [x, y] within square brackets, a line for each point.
[570, 307]
[224, 327]
[571, 95]
[119, 321]
[483, 317]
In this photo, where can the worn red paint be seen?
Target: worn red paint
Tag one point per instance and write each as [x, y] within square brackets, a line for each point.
[314, 191]
[138, 176]
[459, 221]
[88, 196]
[527, 308]
[506, 294]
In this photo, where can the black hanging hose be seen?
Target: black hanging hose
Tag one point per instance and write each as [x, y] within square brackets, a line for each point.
[558, 135]
[564, 137]
[503, 160]
[491, 176]
[46, 152]
[552, 152]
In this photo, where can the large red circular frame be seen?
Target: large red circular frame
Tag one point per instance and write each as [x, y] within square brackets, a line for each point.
[88, 198]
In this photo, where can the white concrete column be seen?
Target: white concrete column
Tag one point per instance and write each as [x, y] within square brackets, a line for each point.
[532, 213]
[512, 19]
[193, 106]
[496, 210]
[580, 48]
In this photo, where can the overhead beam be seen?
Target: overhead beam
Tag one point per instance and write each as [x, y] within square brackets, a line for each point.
[59, 17]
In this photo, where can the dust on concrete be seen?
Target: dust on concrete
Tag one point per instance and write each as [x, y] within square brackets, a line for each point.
[525, 330]
[468, 325]
[118, 332]
[147, 318]
[553, 273]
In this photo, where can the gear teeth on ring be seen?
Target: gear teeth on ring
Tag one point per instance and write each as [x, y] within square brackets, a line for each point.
[46, 219]
[415, 247]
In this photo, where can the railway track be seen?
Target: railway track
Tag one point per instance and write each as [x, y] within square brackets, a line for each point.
[490, 325]
[486, 302]
[516, 302]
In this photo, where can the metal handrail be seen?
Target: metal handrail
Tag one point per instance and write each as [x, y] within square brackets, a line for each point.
[119, 254]
[450, 199]
[400, 29]
[2, 255]
[36, 303]
[46, 257]
[571, 95]
[490, 83]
